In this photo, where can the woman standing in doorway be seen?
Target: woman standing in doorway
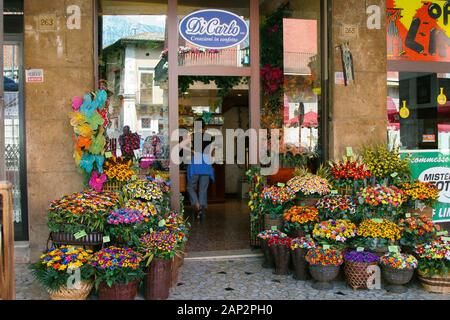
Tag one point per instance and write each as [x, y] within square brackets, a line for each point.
[199, 172]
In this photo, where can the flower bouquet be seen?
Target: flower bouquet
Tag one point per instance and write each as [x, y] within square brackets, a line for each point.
[299, 248]
[80, 218]
[117, 273]
[421, 197]
[356, 268]
[434, 265]
[265, 236]
[280, 248]
[308, 188]
[336, 207]
[334, 232]
[377, 234]
[417, 229]
[324, 266]
[55, 268]
[349, 175]
[398, 270]
[300, 220]
[159, 248]
[275, 200]
[381, 201]
[125, 226]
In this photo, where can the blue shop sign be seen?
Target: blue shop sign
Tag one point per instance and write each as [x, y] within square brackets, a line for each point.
[213, 29]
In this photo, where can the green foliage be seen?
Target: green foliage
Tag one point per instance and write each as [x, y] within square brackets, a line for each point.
[65, 221]
[432, 267]
[225, 84]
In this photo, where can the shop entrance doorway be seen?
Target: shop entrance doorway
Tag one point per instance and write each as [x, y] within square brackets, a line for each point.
[221, 104]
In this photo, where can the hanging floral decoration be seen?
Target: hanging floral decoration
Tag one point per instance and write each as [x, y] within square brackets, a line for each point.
[89, 120]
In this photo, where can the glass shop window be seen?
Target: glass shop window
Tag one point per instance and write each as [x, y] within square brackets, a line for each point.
[418, 111]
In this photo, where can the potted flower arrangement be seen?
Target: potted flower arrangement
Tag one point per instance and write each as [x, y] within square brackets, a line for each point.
[398, 270]
[55, 267]
[300, 220]
[275, 201]
[79, 218]
[118, 171]
[324, 266]
[336, 207]
[417, 229]
[125, 226]
[265, 236]
[421, 197]
[349, 175]
[300, 247]
[386, 166]
[159, 248]
[117, 273]
[148, 191]
[355, 267]
[334, 232]
[377, 235]
[381, 201]
[434, 265]
[309, 188]
[280, 248]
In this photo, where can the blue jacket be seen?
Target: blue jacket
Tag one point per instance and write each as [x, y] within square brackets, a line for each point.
[202, 167]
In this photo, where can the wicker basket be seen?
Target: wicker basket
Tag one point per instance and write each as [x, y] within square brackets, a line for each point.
[113, 186]
[397, 278]
[435, 284]
[73, 294]
[65, 238]
[356, 274]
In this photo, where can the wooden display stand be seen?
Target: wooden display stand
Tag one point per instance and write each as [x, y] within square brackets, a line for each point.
[7, 276]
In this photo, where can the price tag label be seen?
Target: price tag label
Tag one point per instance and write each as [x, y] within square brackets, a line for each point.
[349, 151]
[308, 236]
[446, 238]
[80, 234]
[134, 178]
[162, 223]
[281, 185]
[108, 154]
[393, 249]
[408, 215]
[274, 228]
[377, 220]
[360, 249]
[334, 192]
[394, 174]
[106, 239]
[326, 246]
[442, 233]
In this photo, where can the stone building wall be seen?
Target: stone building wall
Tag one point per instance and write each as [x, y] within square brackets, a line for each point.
[66, 56]
[358, 111]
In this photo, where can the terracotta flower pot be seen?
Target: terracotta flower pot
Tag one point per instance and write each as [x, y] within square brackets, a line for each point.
[158, 279]
[118, 291]
[300, 264]
[281, 255]
[270, 222]
[323, 275]
[268, 262]
[397, 278]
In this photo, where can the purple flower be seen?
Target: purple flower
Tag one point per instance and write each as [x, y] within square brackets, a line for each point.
[361, 257]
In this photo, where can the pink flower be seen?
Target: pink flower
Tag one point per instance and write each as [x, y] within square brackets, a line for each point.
[76, 103]
[97, 180]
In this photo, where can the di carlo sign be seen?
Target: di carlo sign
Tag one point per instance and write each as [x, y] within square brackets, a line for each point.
[213, 29]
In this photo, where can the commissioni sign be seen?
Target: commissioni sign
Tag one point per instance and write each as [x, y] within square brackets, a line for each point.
[434, 167]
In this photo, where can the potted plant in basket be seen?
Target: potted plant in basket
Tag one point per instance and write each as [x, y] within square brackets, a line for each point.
[117, 273]
[280, 248]
[349, 175]
[324, 266]
[356, 265]
[159, 248]
[276, 199]
[434, 265]
[80, 218]
[125, 226]
[398, 269]
[377, 235]
[300, 220]
[334, 232]
[55, 268]
[309, 188]
[337, 207]
[118, 171]
[265, 236]
[417, 229]
[300, 247]
[421, 197]
[380, 201]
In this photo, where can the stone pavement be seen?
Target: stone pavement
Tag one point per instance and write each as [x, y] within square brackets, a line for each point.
[242, 279]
